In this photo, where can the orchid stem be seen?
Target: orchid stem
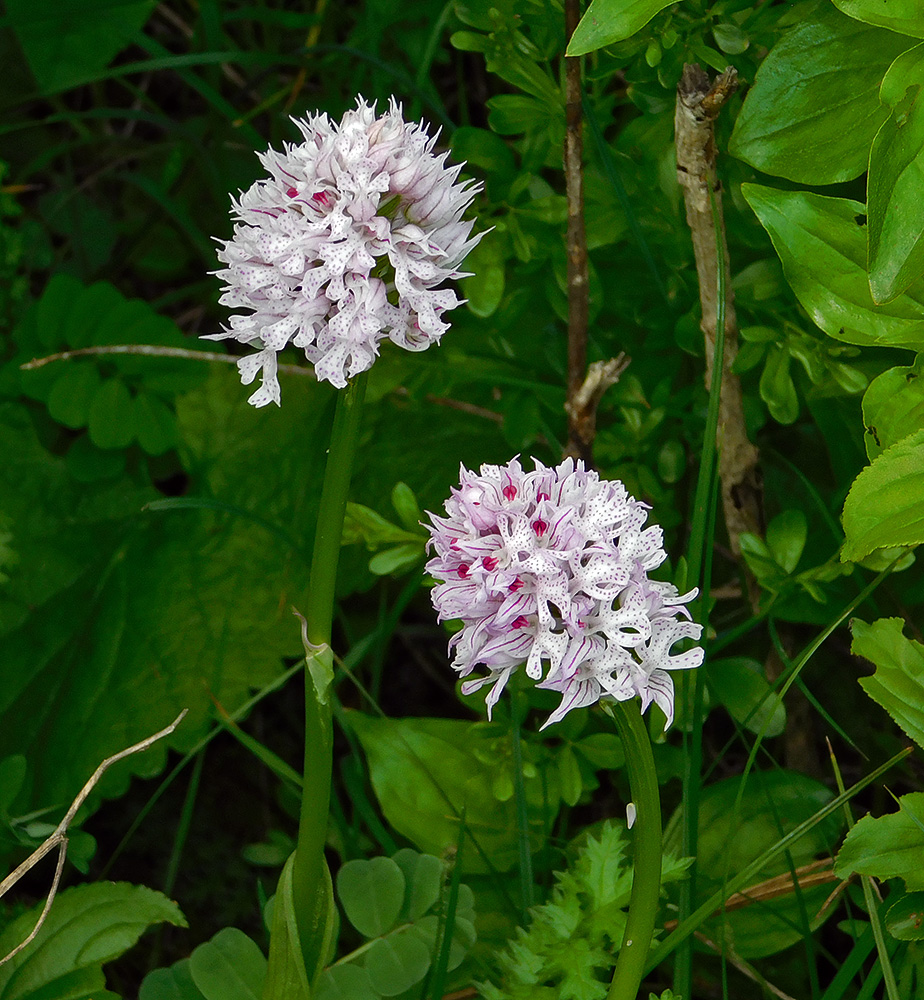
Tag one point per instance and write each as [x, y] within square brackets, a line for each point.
[309, 874]
[646, 840]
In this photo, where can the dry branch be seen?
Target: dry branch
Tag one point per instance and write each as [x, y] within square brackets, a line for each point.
[699, 102]
[58, 837]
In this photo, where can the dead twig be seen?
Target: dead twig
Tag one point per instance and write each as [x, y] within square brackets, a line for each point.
[59, 837]
[699, 102]
[582, 404]
[580, 431]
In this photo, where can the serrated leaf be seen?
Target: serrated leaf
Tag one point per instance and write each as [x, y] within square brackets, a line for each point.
[608, 21]
[371, 893]
[888, 846]
[899, 15]
[885, 506]
[821, 243]
[88, 926]
[895, 191]
[397, 962]
[898, 683]
[229, 967]
[814, 108]
[72, 41]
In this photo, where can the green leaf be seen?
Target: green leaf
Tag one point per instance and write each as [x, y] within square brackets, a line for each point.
[741, 687]
[893, 407]
[887, 847]
[155, 424]
[777, 389]
[406, 506]
[814, 108]
[786, 537]
[286, 975]
[72, 41]
[344, 982]
[485, 288]
[774, 802]
[483, 149]
[372, 894]
[398, 559]
[885, 506]
[396, 962]
[895, 192]
[229, 967]
[900, 15]
[512, 114]
[608, 21]
[822, 245]
[898, 683]
[905, 919]
[70, 397]
[175, 983]
[88, 926]
[112, 416]
[12, 775]
[423, 876]
[425, 771]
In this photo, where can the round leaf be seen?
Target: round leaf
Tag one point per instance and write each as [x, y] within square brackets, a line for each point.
[155, 424]
[397, 962]
[70, 397]
[372, 894]
[112, 417]
[423, 876]
[344, 982]
[229, 967]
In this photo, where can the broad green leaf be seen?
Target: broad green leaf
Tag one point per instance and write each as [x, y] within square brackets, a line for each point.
[372, 894]
[888, 846]
[396, 962]
[822, 245]
[905, 919]
[88, 926]
[229, 967]
[895, 191]
[906, 16]
[893, 407]
[12, 775]
[814, 107]
[344, 982]
[608, 21]
[426, 771]
[72, 41]
[483, 149]
[175, 983]
[112, 416]
[738, 683]
[773, 803]
[512, 114]
[898, 684]
[885, 506]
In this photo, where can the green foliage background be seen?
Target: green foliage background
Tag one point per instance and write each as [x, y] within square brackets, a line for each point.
[155, 531]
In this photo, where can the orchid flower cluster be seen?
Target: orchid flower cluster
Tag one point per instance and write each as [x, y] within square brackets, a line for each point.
[345, 244]
[550, 568]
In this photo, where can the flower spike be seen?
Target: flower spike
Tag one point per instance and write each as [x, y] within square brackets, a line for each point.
[550, 569]
[345, 244]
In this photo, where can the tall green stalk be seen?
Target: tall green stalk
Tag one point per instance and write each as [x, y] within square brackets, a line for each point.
[310, 878]
[646, 879]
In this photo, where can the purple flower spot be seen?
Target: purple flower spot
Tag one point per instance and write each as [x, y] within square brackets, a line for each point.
[520, 622]
[540, 527]
[489, 563]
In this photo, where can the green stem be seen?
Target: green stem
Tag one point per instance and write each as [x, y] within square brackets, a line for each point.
[309, 870]
[646, 881]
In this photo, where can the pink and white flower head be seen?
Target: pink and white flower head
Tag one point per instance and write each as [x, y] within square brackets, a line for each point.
[550, 568]
[347, 242]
